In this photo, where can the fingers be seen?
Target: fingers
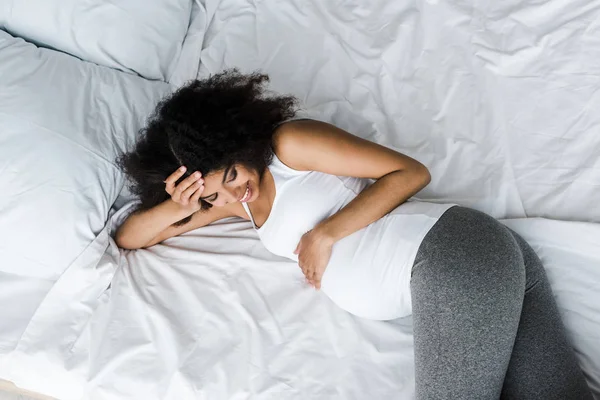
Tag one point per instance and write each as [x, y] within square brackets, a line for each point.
[196, 196]
[316, 278]
[316, 283]
[186, 195]
[177, 193]
[303, 268]
[309, 274]
[170, 181]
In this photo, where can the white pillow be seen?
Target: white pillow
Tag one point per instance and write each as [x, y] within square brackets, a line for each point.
[62, 124]
[188, 64]
[131, 35]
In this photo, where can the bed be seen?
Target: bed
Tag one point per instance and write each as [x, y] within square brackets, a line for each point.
[498, 100]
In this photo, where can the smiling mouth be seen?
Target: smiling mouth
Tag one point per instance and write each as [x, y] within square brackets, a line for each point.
[247, 194]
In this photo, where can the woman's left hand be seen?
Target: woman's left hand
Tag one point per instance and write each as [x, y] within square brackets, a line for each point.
[314, 252]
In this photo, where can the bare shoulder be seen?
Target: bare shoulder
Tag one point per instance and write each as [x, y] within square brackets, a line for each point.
[297, 142]
[293, 133]
[309, 145]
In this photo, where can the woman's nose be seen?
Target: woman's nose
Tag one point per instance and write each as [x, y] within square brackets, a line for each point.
[232, 195]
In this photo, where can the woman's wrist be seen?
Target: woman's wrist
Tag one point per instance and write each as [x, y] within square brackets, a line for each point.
[176, 210]
[326, 232]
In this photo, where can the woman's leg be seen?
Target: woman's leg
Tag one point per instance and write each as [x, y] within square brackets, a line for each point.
[543, 364]
[468, 289]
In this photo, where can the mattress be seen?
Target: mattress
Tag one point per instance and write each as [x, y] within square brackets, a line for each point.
[498, 100]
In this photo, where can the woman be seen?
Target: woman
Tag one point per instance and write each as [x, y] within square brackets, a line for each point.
[485, 322]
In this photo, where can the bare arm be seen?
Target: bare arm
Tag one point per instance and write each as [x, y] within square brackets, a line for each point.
[318, 146]
[149, 227]
[146, 228]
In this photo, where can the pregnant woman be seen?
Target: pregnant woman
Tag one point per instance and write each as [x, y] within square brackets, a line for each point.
[486, 325]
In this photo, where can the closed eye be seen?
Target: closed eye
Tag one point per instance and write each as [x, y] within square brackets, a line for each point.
[233, 175]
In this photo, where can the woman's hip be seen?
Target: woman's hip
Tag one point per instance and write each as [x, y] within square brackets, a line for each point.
[463, 237]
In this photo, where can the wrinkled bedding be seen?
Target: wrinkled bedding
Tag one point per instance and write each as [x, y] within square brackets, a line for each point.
[499, 100]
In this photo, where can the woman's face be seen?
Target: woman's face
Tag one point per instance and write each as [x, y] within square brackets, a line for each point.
[237, 183]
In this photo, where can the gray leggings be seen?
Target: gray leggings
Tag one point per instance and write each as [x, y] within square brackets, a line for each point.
[485, 323]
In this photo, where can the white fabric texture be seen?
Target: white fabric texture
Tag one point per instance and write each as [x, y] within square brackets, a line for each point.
[131, 35]
[187, 65]
[213, 315]
[62, 124]
[369, 271]
[497, 99]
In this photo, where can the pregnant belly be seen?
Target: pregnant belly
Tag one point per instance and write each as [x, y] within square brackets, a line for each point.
[368, 275]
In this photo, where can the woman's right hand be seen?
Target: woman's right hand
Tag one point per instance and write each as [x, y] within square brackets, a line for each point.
[187, 193]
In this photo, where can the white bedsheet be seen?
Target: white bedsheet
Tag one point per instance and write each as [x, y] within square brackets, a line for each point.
[499, 100]
[212, 315]
[62, 123]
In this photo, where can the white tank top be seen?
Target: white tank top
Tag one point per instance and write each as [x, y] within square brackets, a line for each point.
[369, 271]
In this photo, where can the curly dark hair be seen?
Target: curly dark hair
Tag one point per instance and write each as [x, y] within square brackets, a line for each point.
[206, 125]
